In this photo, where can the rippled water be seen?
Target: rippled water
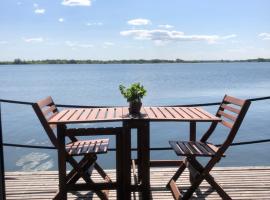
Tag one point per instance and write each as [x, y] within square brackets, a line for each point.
[166, 84]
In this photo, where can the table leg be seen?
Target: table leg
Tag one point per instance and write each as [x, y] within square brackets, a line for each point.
[126, 162]
[144, 146]
[119, 166]
[139, 153]
[61, 162]
[192, 137]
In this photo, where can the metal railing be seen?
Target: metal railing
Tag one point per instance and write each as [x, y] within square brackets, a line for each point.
[2, 170]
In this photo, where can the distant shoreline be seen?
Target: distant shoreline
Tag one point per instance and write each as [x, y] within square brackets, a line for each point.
[135, 61]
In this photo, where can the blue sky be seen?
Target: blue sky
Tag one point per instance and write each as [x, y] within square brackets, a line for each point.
[128, 29]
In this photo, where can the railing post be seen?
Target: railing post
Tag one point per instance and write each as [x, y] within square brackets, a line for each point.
[2, 168]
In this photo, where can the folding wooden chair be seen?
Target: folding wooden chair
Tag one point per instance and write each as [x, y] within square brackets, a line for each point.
[232, 112]
[46, 109]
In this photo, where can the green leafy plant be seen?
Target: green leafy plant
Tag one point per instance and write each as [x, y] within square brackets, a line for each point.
[134, 93]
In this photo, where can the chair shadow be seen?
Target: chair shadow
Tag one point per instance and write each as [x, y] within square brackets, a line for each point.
[203, 195]
[88, 195]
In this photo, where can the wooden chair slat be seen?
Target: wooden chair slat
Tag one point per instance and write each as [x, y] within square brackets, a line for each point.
[104, 145]
[232, 109]
[183, 147]
[202, 148]
[213, 147]
[206, 146]
[50, 109]
[226, 115]
[227, 124]
[98, 143]
[91, 147]
[233, 100]
[45, 102]
[85, 147]
[191, 149]
[176, 148]
[197, 148]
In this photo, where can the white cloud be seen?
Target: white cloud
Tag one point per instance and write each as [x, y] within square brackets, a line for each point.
[159, 36]
[35, 5]
[37, 39]
[167, 26]
[94, 24]
[61, 19]
[76, 2]
[228, 36]
[76, 44]
[264, 36]
[139, 22]
[39, 11]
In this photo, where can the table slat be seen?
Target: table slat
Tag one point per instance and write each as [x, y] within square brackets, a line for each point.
[162, 113]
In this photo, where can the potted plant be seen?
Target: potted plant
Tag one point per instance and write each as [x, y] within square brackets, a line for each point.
[133, 94]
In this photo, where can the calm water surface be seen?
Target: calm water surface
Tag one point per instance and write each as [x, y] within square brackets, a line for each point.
[166, 84]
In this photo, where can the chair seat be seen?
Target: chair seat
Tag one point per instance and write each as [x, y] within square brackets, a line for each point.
[83, 147]
[188, 148]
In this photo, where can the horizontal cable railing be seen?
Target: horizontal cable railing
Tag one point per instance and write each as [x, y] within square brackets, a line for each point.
[87, 106]
[134, 149]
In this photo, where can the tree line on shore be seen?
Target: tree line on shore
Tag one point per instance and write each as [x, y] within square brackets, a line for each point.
[132, 61]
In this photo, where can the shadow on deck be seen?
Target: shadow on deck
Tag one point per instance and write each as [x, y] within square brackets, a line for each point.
[239, 182]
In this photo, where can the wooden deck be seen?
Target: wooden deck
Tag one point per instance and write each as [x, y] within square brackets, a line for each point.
[239, 182]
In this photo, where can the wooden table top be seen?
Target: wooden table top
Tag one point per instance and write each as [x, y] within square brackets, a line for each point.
[111, 114]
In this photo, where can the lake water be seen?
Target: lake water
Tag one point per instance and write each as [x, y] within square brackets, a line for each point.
[166, 84]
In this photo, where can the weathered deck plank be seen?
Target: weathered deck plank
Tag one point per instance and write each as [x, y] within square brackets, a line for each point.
[239, 182]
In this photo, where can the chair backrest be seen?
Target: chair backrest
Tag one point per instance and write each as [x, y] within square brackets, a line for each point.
[45, 110]
[232, 112]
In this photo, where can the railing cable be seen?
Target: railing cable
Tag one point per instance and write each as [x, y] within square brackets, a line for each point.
[87, 106]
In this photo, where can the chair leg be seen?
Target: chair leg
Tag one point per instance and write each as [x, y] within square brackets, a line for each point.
[84, 174]
[78, 168]
[102, 173]
[210, 179]
[85, 163]
[187, 195]
[177, 174]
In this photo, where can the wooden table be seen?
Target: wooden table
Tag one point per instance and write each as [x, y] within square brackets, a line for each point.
[142, 124]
